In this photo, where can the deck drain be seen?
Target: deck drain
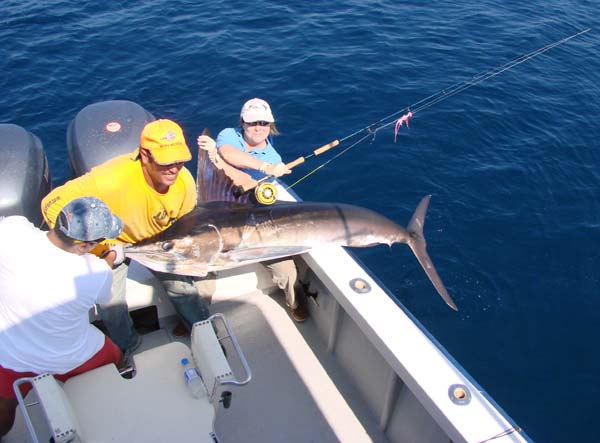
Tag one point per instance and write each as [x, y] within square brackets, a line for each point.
[360, 286]
[459, 394]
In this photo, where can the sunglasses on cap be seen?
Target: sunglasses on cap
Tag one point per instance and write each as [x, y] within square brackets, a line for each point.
[258, 123]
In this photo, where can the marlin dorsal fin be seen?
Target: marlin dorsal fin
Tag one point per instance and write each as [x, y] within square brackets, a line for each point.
[212, 183]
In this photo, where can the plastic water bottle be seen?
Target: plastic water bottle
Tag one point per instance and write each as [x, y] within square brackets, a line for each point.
[193, 379]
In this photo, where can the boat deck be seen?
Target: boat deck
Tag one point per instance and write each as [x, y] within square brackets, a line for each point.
[359, 369]
[291, 396]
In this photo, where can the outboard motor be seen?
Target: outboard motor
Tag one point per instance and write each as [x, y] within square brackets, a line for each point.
[24, 173]
[104, 130]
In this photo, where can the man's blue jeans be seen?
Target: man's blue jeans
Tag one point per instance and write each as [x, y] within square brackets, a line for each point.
[181, 290]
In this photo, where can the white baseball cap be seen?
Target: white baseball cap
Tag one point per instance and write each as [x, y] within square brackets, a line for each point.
[255, 110]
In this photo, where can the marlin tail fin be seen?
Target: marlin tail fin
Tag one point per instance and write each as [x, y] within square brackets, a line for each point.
[419, 248]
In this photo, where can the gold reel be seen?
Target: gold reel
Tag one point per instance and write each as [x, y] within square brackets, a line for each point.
[266, 193]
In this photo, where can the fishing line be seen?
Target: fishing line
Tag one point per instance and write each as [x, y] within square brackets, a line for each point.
[438, 97]
[508, 431]
[312, 171]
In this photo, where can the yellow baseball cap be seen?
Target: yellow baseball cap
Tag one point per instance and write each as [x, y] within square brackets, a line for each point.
[164, 138]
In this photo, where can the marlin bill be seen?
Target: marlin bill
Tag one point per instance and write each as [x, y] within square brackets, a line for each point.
[224, 235]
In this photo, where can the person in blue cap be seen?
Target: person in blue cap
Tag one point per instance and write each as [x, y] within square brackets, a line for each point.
[48, 283]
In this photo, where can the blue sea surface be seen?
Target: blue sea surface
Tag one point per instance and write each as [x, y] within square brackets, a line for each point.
[513, 163]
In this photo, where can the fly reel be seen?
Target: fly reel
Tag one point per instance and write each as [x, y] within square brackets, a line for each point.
[265, 193]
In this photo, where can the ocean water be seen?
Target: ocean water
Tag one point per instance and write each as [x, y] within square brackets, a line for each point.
[513, 163]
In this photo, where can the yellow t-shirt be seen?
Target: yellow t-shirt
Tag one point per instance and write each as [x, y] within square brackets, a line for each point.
[120, 183]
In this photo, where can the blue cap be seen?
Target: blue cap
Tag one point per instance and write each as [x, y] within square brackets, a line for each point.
[88, 219]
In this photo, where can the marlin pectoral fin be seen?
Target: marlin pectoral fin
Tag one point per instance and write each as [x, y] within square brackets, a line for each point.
[191, 269]
[181, 267]
[266, 253]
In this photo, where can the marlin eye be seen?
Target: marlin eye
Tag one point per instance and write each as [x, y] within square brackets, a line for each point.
[167, 246]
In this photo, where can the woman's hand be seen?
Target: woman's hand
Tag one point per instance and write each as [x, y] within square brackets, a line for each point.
[277, 169]
[208, 144]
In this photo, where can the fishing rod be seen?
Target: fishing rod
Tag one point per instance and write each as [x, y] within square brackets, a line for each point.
[266, 192]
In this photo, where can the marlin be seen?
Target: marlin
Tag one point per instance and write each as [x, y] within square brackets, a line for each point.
[219, 235]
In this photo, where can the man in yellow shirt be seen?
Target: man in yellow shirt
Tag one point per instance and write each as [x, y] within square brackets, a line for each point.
[148, 189]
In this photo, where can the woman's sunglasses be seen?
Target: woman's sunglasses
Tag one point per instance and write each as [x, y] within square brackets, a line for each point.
[258, 123]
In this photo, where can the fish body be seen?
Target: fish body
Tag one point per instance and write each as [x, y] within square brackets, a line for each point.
[224, 235]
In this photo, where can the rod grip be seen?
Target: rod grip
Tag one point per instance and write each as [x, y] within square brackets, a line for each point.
[252, 183]
[326, 147]
[296, 162]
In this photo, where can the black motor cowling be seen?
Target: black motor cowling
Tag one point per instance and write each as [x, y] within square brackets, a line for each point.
[24, 174]
[104, 130]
